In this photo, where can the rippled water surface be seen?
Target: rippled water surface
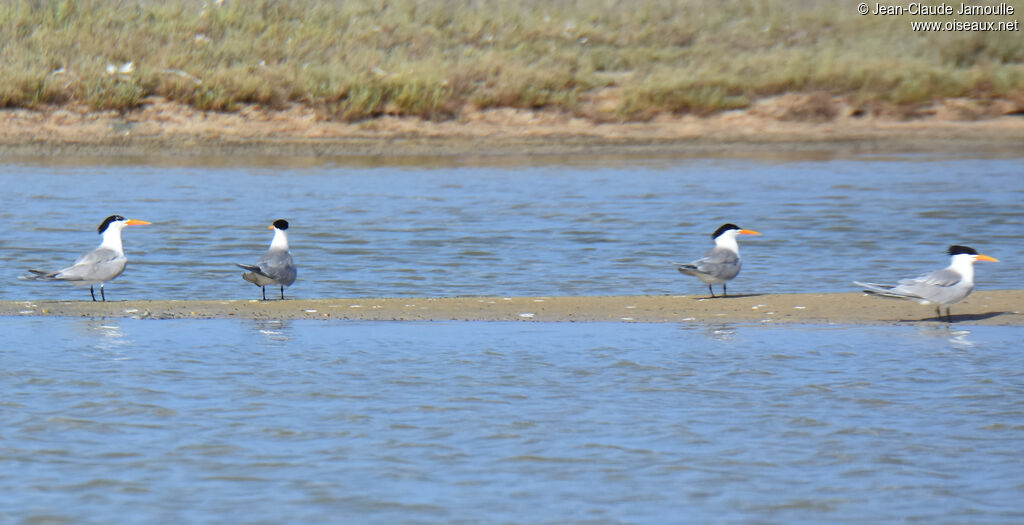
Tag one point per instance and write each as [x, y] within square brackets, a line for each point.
[178, 421]
[604, 226]
[115, 421]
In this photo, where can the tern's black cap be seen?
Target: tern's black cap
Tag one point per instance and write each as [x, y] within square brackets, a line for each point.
[956, 249]
[107, 221]
[281, 224]
[724, 228]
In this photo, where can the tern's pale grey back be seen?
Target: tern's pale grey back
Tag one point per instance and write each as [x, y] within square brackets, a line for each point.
[275, 267]
[941, 287]
[98, 266]
[716, 267]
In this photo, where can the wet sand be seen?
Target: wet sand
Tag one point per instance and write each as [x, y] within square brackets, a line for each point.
[997, 308]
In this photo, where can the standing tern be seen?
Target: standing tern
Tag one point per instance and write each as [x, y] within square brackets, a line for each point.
[98, 266]
[722, 262]
[276, 266]
[941, 287]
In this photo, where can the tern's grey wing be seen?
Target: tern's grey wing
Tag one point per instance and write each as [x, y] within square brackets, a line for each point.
[719, 262]
[97, 266]
[941, 286]
[945, 277]
[278, 265]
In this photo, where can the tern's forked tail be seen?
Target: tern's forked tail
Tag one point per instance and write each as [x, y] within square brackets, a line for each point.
[39, 275]
[881, 290]
[687, 269]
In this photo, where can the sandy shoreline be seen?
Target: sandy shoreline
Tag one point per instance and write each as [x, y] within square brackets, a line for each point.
[995, 308]
[161, 128]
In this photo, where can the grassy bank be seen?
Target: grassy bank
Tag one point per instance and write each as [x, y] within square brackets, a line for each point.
[607, 60]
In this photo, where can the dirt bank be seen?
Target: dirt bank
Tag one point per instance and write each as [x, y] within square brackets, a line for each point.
[164, 128]
[1003, 307]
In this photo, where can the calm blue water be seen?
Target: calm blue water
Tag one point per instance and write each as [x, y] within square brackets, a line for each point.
[179, 421]
[308, 422]
[604, 226]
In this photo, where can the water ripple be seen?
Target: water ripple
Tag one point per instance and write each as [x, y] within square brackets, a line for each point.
[532, 230]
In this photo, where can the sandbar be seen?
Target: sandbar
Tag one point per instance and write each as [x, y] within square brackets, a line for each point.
[994, 308]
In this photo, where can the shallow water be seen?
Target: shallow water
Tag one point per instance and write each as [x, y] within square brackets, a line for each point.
[179, 421]
[550, 227]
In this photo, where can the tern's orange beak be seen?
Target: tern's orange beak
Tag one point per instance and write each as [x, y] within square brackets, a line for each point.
[136, 222]
[271, 227]
[981, 257]
[749, 232]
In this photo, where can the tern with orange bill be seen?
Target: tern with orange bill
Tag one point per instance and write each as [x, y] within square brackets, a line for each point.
[941, 287]
[98, 266]
[722, 263]
[276, 266]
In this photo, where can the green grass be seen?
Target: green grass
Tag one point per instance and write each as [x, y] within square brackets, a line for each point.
[358, 59]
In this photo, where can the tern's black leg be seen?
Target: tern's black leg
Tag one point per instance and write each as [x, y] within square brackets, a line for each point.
[264, 288]
[711, 291]
[723, 291]
[282, 291]
[92, 294]
[103, 295]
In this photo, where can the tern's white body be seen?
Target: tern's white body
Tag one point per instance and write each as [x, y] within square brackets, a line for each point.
[275, 267]
[941, 287]
[722, 263]
[103, 264]
[99, 266]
